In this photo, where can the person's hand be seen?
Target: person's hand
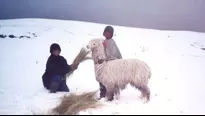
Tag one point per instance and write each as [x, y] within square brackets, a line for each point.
[74, 66]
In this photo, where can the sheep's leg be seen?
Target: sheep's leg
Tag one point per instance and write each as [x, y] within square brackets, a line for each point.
[137, 87]
[110, 95]
[117, 94]
[145, 93]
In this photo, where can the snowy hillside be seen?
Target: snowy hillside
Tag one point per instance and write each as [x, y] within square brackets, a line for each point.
[177, 60]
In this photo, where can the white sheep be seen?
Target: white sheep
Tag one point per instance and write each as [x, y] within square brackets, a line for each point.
[116, 74]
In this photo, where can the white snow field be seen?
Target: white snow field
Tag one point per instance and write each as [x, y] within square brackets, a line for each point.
[177, 61]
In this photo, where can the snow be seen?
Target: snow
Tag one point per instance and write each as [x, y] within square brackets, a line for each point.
[175, 57]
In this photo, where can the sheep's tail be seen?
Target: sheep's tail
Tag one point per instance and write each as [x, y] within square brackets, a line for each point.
[149, 72]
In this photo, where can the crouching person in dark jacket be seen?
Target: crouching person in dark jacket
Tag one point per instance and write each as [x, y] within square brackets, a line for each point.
[56, 69]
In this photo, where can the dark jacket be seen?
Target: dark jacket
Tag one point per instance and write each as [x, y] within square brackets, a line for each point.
[56, 65]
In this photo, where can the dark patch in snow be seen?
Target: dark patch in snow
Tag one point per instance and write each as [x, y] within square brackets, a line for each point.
[21, 37]
[203, 48]
[2, 36]
[27, 36]
[192, 45]
[169, 99]
[181, 112]
[12, 36]
[169, 37]
[36, 62]
[156, 95]
[24, 37]
[34, 35]
[144, 49]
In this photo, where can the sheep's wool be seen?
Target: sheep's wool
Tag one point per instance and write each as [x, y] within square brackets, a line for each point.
[116, 74]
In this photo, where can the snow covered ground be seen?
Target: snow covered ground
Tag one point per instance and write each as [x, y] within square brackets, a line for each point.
[175, 57]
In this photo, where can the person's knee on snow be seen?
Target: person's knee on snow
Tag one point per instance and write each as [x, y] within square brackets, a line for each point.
[58, 84]
[63, 87]
[55, 83]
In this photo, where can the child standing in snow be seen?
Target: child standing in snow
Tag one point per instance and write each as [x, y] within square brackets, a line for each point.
[56, 69]
[112, 51]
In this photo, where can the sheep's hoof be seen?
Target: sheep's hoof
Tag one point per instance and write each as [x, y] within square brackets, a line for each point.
[99, 98]
[110, 99]
[117, 97]
[145, 100]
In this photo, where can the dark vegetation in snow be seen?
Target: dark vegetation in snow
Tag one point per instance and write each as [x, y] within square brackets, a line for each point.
[30, 36]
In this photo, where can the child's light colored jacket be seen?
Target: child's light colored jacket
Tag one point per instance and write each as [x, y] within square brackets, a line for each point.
[112, 51]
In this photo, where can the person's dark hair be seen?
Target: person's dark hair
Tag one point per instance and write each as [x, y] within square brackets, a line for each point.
[54, 46]
[109, 29]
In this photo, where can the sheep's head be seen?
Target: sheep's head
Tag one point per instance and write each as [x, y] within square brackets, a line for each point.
[97, 48]
[95, 43]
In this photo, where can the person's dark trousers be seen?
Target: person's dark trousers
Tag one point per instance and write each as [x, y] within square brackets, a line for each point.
[58, 84]
[102, 90]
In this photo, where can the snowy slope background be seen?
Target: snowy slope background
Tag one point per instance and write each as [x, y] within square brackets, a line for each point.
[177, 60]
